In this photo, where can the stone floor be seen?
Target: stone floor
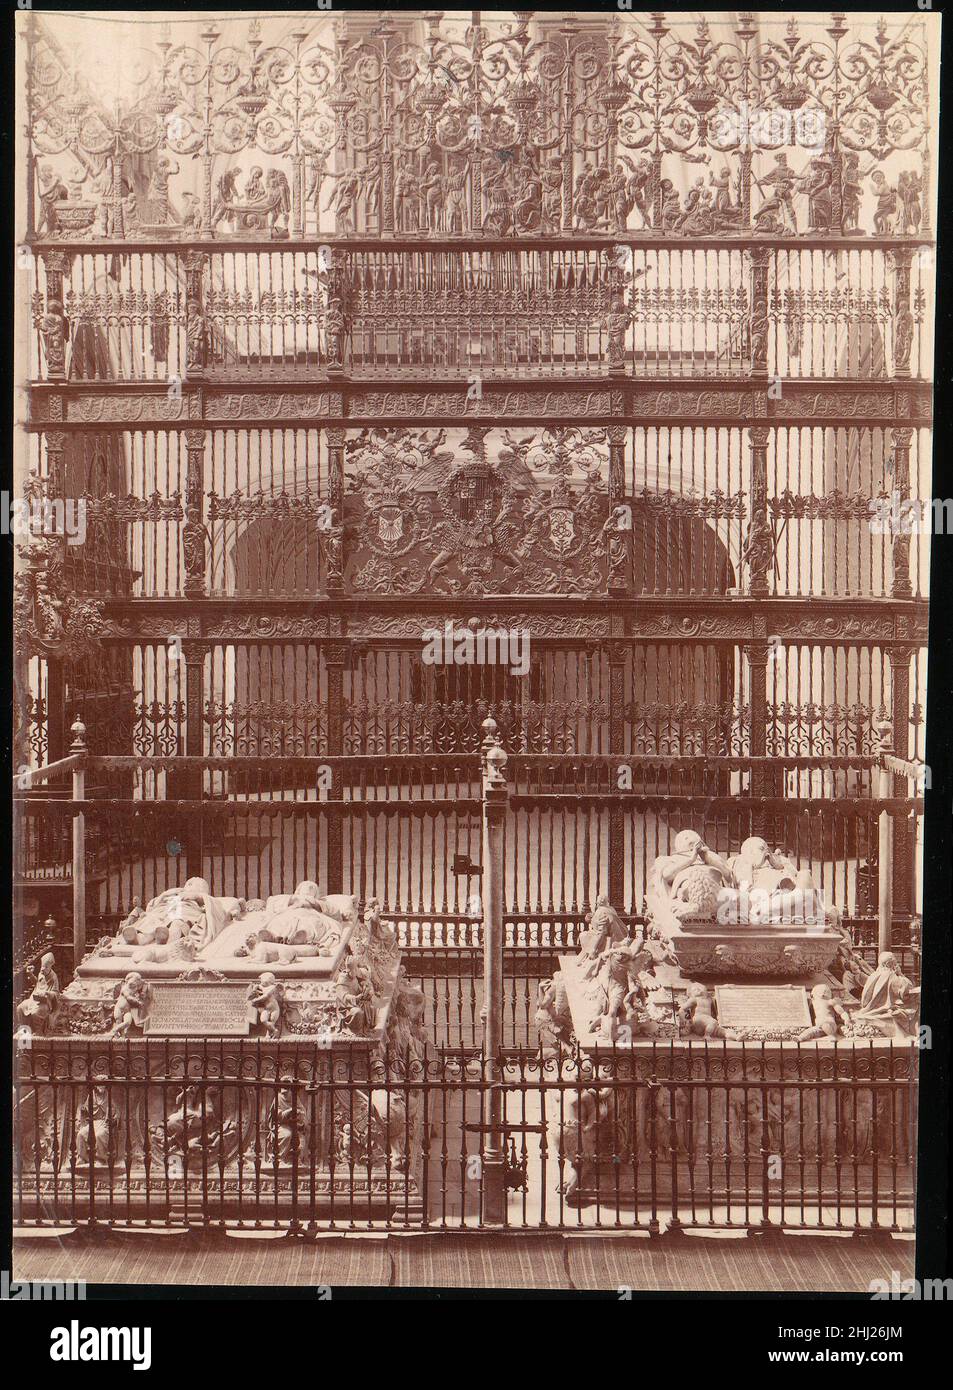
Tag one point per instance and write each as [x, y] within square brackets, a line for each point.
[772, 1264]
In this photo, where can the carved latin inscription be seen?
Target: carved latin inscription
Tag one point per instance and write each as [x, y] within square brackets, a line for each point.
[194, 1010]
[762, 1006]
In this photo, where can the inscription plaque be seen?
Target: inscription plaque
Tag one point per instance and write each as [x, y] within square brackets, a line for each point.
[762, 1006]
[198, 1009]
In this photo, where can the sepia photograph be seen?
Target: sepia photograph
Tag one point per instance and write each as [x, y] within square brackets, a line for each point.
[472, 506]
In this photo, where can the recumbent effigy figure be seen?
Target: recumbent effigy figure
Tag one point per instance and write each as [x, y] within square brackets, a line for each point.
[694, 877]
[191, 913]
[756, 887]
[298, 925]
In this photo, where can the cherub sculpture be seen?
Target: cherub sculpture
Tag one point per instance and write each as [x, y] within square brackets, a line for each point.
[132, 1005]
[828, 1015]
[696, 1016]
[266, 997]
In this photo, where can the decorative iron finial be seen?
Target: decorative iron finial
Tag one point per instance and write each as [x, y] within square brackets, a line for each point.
[883, 732]
[78, 730]
[496, 760]
[494, 755]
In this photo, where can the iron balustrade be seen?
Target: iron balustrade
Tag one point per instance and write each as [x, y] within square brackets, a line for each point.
[408, 831]
[468, 312]
[248, 514]
[246, 1135]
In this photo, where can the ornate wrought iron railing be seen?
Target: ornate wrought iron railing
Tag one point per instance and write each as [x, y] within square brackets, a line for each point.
[406, 830]
[835, 309]
[229, 1134]
[289, 511]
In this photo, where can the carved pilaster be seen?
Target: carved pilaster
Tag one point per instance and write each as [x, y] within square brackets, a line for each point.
[760, 258]
[207, 162]
[567, 190]
[758, 552]
[836, 159]
[903, 322]
[744, 187]
[193, 655]
[655, 189]
[55, 467]
[196, 326]
[900, 659]
[193, 530]
[332, 536]
[56, 264]
[335, 658]
[51, 324]
[387, 195]
[335, 442]
[617, 531]
[337, 312]
[297, 197]
[617, 438]
[900, 538]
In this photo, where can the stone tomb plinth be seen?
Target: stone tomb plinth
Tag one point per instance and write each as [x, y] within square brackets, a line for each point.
[200, 1107]
[676, 1126]
[710, 949]
[689, 1114]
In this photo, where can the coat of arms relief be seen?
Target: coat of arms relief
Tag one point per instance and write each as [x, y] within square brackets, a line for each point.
[489, 512]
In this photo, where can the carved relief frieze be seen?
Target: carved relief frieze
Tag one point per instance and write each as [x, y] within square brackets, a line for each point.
[492, 402]
[278, 405]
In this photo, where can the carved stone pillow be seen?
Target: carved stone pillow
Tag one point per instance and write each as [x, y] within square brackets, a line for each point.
[341, 906]
[278, 902]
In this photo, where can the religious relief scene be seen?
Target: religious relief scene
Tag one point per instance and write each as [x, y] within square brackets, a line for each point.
[473, 517]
